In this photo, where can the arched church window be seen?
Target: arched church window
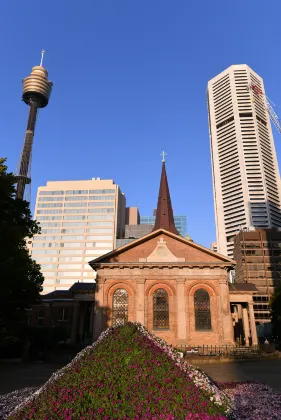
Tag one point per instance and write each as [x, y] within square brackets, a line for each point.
[119, 307]
[202, 310]
[160, 309]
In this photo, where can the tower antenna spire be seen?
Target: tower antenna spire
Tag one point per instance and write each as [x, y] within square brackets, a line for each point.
[42, 57]
[36, 93]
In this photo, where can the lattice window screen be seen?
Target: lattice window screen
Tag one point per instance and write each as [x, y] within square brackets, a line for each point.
[202, 310]
[119, 307]
[160, 309]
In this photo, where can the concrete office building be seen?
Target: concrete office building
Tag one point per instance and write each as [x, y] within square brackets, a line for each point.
[137, 231]
[132, 216]
[258, 256]
[214, 247]
[244, 164]
[80, 221]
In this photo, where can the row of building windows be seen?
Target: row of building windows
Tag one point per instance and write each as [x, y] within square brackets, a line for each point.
[75, 217]
[48, 274]
[63, 315]
[75, 211]
[265, 252]
[161, 312]
[80, 204]
[41, 259]
[72, 244]
[55, 251]
[73, 237]
[71, 266]
[264, 245]
[77, 192]
[74, 224]
[78, 198]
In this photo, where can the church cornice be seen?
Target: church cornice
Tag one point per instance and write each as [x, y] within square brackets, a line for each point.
[161, 265]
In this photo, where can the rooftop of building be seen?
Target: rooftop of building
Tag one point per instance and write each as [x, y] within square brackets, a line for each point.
[81, 181]
[242, 287]
[233, 67]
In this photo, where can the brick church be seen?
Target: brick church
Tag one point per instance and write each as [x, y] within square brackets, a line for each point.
[177, 289]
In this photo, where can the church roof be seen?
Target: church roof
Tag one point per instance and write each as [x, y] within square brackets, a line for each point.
[80, 287]
[164, 213]
[110, 256]
[57, 295]
[60, 295]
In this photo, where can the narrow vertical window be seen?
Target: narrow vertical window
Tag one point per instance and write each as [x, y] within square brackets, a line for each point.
[202, 310]
[160, 309]
[119, 307]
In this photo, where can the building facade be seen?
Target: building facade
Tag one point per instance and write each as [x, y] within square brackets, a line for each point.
[137, 231]
[180, 223]
[132, 216]
[258, 256]
[176, 288]
[79, 221]
[244, 163]
[214, 247]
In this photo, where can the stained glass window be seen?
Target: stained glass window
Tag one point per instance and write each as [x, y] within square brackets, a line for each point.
[160, 309]
[202, 310]
[119, 307]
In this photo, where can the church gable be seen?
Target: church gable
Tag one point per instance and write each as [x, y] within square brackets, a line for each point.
[162, 254]
[162, 246]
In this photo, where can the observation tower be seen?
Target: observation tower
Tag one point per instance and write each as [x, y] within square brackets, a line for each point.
[36, 93]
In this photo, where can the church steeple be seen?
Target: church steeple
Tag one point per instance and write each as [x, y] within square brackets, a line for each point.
[164, 212]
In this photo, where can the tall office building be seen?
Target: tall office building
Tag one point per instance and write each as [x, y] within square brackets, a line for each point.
[258, 256]
[244, 164]
[180, 223]
[80, 221]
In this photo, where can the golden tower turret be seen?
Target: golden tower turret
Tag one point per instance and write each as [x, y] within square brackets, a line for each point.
[36, 93]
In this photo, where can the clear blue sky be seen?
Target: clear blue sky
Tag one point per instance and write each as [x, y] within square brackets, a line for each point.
[130, 80]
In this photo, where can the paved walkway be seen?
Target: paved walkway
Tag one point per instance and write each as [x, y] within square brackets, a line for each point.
[266, 371]
[17, 376]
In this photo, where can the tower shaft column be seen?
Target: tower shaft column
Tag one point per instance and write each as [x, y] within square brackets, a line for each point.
[27, 151]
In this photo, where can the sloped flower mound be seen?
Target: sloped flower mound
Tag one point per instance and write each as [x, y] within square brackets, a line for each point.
[127, 374]
[254, 401]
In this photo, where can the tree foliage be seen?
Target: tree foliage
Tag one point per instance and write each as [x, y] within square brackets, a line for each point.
[20, 276]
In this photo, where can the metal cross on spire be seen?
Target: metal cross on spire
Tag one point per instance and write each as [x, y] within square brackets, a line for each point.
[163, 154]
[42, 56]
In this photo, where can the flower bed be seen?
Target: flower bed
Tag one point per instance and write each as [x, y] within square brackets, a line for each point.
[10, 401]
[127, 374]
[253, 401]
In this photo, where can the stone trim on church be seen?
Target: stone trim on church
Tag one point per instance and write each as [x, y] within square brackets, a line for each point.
[162, 260]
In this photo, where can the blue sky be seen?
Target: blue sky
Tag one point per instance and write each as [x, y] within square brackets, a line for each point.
[130, 80]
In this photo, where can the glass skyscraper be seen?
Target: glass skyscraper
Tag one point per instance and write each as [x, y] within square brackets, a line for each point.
[180, 223]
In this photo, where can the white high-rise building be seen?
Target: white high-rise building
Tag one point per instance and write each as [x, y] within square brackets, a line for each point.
[244, 164]
[79, 221]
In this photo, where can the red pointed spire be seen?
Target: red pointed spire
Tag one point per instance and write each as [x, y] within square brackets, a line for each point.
[164, 213]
